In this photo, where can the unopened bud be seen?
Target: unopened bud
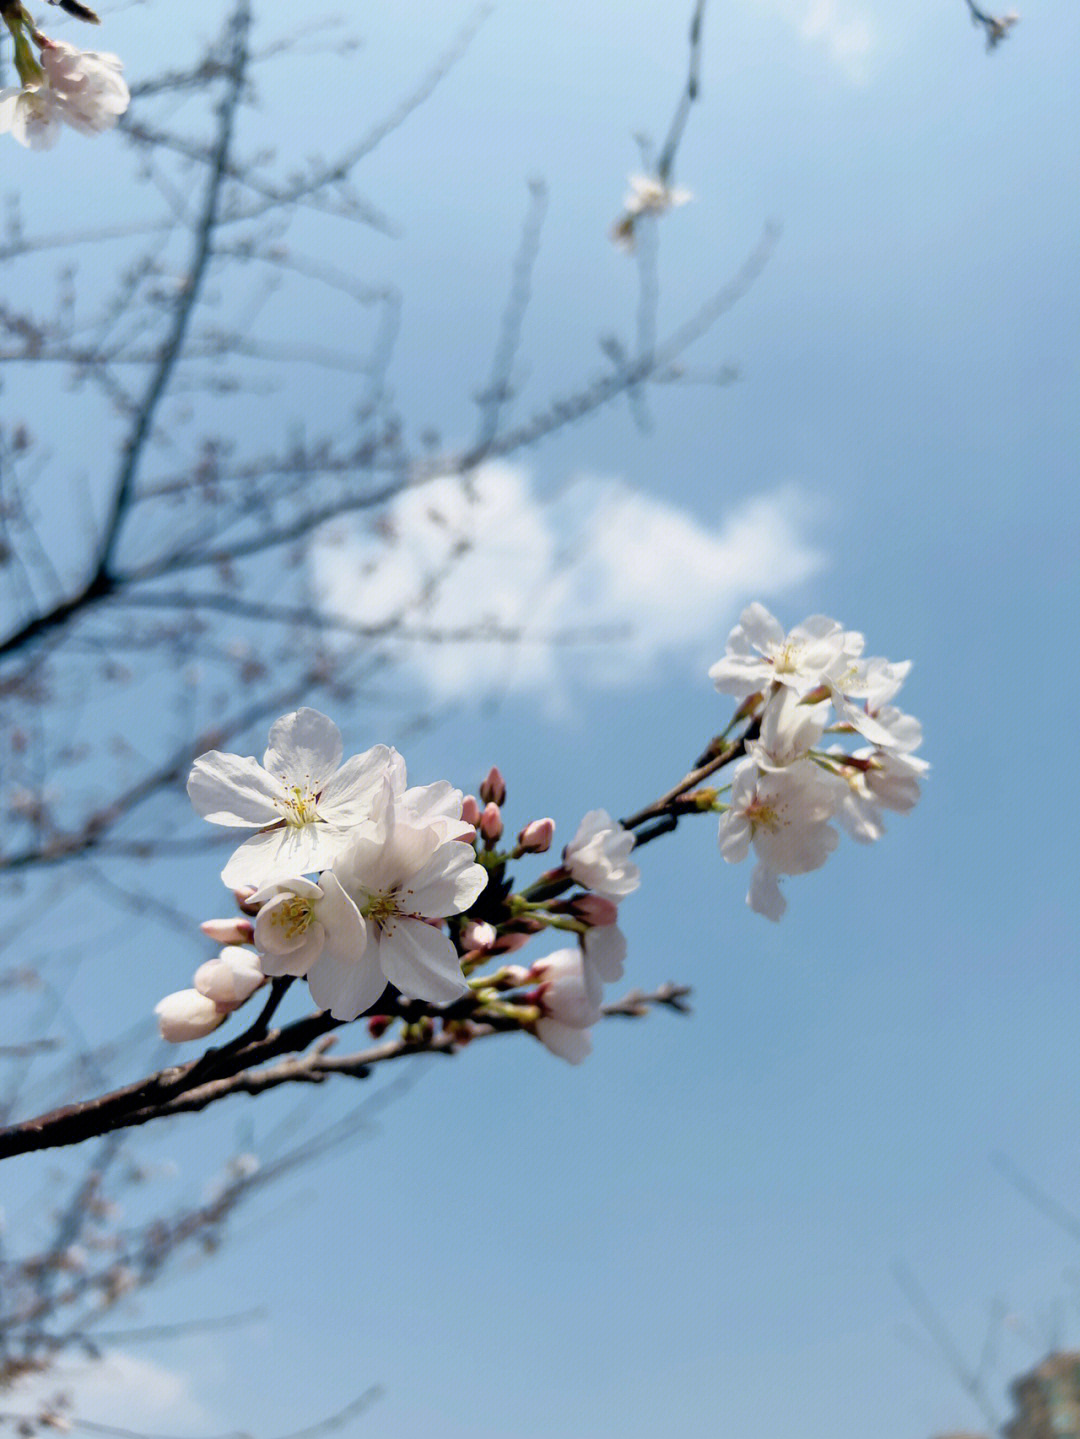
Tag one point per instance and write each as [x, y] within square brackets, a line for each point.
[593, 909]
[470, 810]
[491, 825]
[378, 1024]
[228, 931]
[536, 837]
[231, 979]
[187, 1014]
[478, 934]
[243, 900]
[507, 943]
[493, 787]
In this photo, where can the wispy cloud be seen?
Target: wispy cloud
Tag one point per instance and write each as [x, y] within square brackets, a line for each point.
[844, 29]
[118, 1388]
[606, 585]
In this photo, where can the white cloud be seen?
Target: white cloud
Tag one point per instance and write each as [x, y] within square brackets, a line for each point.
[637, 580]
[844, 28]
[117, 1389]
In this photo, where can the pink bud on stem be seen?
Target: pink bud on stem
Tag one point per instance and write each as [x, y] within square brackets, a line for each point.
[536, 837]
[493, 787]
[491, 825]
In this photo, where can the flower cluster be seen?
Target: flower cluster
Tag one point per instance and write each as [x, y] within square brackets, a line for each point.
[354, 881]
[61, 86]
[390, 863]
[802, 686]
[377, 892]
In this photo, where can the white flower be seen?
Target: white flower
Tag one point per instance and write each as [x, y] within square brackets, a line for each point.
[784, 814]
[759, 654]
[568, 1003]
[299, 920]
[603, 955]
[187, 1014]
[598, 856]
[90, 89]
[789, 729]
[400, 874]
[301, 798]
[889, 781]
[33, 115]
[230, 979]
[649, 195]
[431, 806]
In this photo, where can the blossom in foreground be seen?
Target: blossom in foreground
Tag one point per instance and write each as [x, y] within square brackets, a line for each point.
[299, 920]
[598, 856]
[89, 85]
[568, 1003]
[400, 875]
[79, 88]
[301, 799]
[783, 814]
[32, 114]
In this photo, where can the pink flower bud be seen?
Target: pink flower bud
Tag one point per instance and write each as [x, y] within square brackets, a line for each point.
[593, 909]
[507, 943]
[243, 900]
[470, 810]
[536, 837]
[378, 1024]
[228, 931]
[477, 934]
[493, 787]
[491, 825]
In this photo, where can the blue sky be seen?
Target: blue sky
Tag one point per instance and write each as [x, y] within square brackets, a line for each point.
[695, 1231]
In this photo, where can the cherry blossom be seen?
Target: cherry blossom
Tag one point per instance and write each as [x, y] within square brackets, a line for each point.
[301, 799]
[882, 781]
[90, 89]
[568, 1002]
[783, 814]
[400, 875]
[33, 115]
[598, 856]
[299, 921]
[789, 729]
[759, 654]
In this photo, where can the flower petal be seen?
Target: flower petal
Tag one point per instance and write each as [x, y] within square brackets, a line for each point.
[304, 745]
[233, 789]
[346, 984]
[421, 962]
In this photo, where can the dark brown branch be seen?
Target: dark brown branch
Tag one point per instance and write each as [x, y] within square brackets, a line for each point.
[179, 1089]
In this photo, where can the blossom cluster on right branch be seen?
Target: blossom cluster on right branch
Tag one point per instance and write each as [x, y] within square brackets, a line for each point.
[809, 689]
